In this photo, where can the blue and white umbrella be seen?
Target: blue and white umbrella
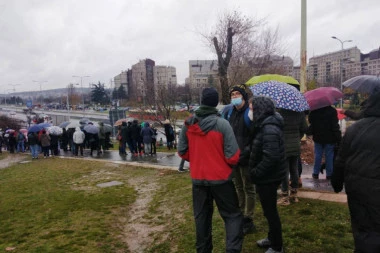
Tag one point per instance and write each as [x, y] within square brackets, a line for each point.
[284, 95]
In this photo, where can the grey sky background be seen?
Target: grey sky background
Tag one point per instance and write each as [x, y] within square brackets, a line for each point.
[52, 40]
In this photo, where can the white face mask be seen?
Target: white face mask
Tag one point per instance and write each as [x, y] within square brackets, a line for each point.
[250, 115]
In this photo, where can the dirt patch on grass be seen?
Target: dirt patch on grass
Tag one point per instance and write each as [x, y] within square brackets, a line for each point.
[11, 159]
[139, 229]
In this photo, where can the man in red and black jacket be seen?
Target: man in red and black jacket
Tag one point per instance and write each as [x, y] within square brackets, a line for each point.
[207, 141]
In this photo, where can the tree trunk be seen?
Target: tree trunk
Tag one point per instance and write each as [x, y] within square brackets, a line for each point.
[223, 65]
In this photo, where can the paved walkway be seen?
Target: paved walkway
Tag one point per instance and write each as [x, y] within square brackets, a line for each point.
[311, 188]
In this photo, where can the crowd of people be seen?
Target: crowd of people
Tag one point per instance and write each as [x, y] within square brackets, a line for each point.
[48, 144]
[252, 146]
[141, 138]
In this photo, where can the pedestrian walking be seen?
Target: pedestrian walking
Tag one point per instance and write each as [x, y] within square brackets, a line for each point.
[267, 165]
[208, 143]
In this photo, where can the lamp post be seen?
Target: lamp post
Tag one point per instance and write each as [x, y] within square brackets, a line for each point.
[40, 82]
[81, 84]
[341, 65]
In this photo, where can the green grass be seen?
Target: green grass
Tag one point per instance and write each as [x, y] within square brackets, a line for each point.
[54, 205]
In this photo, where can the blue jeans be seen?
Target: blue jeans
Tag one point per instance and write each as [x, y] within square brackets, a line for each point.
[20, 146]
[34, 149]
[328, 150]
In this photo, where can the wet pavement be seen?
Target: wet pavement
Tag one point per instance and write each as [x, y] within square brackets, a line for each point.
[172, 160]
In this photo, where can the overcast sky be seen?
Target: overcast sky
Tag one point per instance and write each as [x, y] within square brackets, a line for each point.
[52, 40]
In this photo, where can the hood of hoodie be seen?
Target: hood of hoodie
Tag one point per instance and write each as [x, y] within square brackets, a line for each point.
[77, 129]
[372, 105]
[262, 108]
[206, 117]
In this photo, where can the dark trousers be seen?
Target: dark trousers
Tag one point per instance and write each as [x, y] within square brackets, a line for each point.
[268, 200]
[153, 146]
[77, 148]
[228, 205]
[134, 146]
[364, 217]
[45, 150]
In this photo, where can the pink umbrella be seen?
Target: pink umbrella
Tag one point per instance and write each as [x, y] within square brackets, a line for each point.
[322, 97]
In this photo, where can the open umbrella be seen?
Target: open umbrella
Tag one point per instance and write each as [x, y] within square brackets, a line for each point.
[272, 77]
[285, 96]
[84, 121]
[64, 124]
[54, 130]
[120, 121]
[44, 125]
[363, 83]
[35, 128]
[107, 128]
[322, 97]
[73, 125]
[10, 131]
[23, 130]
[91, 129]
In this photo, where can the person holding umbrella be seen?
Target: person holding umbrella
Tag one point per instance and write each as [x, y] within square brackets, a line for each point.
[324, 128]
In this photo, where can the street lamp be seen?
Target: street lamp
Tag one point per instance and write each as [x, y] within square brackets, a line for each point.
[40, 82]
[81, 84]
[341, 66]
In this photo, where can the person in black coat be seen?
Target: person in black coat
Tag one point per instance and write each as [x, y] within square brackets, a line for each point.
[295, 127]
[64, 139]
[135, 136]
[357, 167]
[267, 165]
[326, 133]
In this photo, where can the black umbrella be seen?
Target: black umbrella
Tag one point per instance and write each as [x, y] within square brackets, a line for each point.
[363, 83]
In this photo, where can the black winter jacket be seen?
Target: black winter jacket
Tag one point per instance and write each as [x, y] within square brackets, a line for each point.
[324, 126]
[295, 127]
[267, 159]
[357, 166]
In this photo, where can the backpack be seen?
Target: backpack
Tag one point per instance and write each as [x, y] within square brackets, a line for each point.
[227, 114]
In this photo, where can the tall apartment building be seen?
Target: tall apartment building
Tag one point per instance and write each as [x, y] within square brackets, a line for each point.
[142, 80]
[200, 72]
[369, 65]
[165, 77]
[326, 68]
[121, 80]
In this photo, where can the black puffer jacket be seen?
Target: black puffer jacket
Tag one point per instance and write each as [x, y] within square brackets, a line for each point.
[295, 127]
[324, 126]
[267, 159]
[357, 166]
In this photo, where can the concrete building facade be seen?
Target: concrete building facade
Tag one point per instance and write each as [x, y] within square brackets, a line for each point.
[165, 78]
[142, 79]
[200, 72]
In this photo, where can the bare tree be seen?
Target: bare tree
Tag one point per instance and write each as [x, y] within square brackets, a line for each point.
[243, 46]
